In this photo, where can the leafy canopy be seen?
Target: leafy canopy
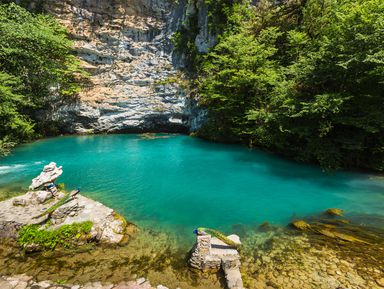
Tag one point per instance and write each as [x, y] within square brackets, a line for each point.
[303, 78]
[37, 69]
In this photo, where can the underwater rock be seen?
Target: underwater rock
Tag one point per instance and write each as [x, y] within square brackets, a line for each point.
[341, 236]
[334, 212]
[9, 230]
[300, 224]
[380, 282]
[264, 226]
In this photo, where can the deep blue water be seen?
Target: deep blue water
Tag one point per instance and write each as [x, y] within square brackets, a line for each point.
[180, 182]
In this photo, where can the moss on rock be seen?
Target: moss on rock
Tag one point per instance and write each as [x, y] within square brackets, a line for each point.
[36, 238]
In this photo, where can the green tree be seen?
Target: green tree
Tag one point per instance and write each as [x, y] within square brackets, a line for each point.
[13, 124]
[304, 78]
[37, 69]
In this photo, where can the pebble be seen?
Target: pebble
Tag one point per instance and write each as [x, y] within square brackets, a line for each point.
[140, 281]
[25, 282]
[380, 282]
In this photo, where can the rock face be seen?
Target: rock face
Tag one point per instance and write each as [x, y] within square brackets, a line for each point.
[125, 45]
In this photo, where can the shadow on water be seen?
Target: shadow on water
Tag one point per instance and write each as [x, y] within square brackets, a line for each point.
[281, 168]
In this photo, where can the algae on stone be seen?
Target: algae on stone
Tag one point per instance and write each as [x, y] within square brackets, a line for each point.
[335, 212]
[300, 224]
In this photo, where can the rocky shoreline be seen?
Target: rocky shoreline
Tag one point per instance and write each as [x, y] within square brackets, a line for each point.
[51, 209]
[26, 282]
[274, 259]
[278, 258]
[327, 251]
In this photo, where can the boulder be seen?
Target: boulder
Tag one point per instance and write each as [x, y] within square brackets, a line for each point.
[300, 225]
[49, 174]
[43, 196]
[19, 202]
[210, 254]
[70, 209]
[334, 212]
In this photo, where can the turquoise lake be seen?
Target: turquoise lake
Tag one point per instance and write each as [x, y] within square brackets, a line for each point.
[178, 182]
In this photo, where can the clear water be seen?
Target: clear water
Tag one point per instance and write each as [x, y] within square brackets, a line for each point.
[179, 182]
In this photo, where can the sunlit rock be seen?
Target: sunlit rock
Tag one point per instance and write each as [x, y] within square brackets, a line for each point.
[49, 174]
[60, 209]
[210, 254]
[134, 83]
[300, 224]
[334, 212]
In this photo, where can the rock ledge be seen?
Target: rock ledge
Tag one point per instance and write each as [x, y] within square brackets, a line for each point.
[32, 208]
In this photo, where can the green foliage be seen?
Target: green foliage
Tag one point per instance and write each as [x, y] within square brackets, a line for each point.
[184, 39]
[220, 236]
[13, 124]
[218, 13]
[61, 186]
[37, 69]
[31, 5]
[36, 48]
[65, 236]
[304, 78]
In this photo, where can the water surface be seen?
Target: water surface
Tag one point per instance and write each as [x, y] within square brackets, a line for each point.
[179, 182]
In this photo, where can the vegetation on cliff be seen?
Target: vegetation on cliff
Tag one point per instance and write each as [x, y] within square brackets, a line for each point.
[37, 70]
[303, 78]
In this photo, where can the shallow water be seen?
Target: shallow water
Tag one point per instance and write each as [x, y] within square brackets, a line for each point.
[177, 182]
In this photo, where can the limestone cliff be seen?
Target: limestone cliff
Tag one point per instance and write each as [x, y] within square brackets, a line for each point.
[126, 47]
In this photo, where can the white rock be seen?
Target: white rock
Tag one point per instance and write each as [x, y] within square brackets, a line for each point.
[19, 202]
[43, 196]
[140, 280]
[49, 174]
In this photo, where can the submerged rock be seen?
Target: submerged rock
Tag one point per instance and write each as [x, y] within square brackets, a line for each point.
[300, 224]
[334, 212]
